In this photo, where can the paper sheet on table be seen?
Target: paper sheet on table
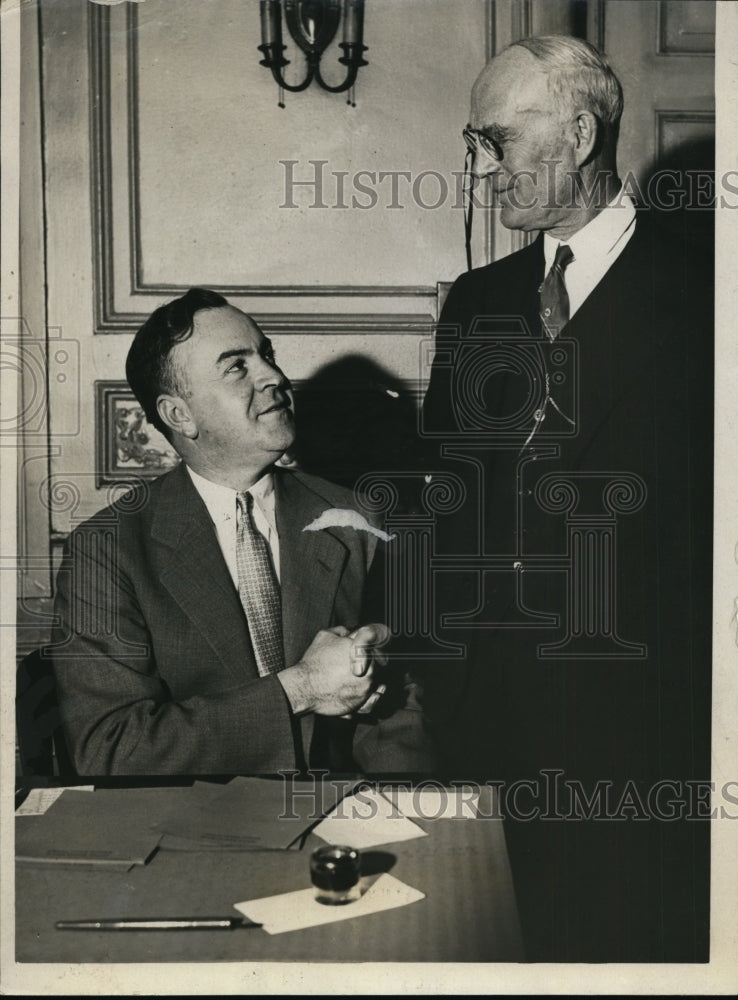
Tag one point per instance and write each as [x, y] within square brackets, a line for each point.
[98, 830]
[251, 814]
[366, 819]
[39, 800]
[294, 910]
[434, 803]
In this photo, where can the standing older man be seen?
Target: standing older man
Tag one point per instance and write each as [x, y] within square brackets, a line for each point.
[204, 628]
[572, 386]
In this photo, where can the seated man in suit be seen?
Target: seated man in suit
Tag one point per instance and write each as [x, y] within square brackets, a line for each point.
[572, 389]
[204, 627]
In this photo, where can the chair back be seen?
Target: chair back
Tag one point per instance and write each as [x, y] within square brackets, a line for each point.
[41, 746]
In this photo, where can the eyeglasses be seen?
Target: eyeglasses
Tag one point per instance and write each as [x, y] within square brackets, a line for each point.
[476, 140]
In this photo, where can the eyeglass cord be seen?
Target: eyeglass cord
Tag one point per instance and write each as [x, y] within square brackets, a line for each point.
[468, 206]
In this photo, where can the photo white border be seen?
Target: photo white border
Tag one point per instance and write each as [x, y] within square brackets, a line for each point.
[720, 976]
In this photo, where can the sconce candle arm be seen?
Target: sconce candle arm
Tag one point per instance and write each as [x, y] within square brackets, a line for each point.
[351, 58]
[274, 61]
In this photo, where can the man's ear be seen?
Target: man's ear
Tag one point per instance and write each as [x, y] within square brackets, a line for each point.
[586, 133]
[175, 413]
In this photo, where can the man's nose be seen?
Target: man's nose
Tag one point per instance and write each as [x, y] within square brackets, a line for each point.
[269, 374]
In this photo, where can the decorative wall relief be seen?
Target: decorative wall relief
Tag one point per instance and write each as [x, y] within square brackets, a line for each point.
[127, 446]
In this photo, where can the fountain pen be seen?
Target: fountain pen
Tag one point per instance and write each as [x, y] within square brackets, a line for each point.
[157, 924]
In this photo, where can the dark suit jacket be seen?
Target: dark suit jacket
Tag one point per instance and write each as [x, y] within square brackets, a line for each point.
[642, 405]
[153, 662]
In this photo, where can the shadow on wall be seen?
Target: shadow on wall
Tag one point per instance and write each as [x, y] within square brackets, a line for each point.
[680, 188]
[354, 417]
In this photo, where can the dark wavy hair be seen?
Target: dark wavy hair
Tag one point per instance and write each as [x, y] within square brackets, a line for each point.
[149, 367]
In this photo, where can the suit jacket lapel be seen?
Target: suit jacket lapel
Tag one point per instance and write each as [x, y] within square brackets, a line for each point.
[531, 277]
[311, 564]
[617, 335]
[196, 576]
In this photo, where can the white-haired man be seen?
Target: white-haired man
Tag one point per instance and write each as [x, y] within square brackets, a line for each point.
[579, 373]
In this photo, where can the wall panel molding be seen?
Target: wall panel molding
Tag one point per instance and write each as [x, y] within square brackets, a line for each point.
[596, 23]
[685, 28]
[107, 279]
[673, 119]
[522, 19]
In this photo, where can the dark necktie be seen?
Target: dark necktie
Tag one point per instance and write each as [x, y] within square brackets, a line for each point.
[259, 590]
[554, 308]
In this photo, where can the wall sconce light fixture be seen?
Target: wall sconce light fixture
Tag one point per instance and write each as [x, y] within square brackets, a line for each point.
[313, 25]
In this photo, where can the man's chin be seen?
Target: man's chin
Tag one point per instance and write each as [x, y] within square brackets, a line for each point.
[282, 442]
[515, 218]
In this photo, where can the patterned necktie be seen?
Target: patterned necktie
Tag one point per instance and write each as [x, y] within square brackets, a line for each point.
[259, 590]
[554, 310]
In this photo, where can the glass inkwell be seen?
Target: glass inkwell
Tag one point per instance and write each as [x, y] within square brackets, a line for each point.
[335, 871]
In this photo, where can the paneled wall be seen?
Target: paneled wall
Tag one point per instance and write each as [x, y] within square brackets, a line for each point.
[169, 164]
[156, 157]
[664, 54]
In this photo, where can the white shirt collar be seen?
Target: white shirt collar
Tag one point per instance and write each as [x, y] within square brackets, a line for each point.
[602, 234]
[221, 500]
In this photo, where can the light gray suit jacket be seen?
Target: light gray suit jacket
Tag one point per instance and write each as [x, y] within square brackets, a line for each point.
[153, 662]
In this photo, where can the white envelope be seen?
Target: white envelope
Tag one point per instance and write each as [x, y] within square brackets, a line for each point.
[434, 803]
[293, 910]
[365, 820]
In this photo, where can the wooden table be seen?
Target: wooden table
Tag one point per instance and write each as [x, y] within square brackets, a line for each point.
[468, 915]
